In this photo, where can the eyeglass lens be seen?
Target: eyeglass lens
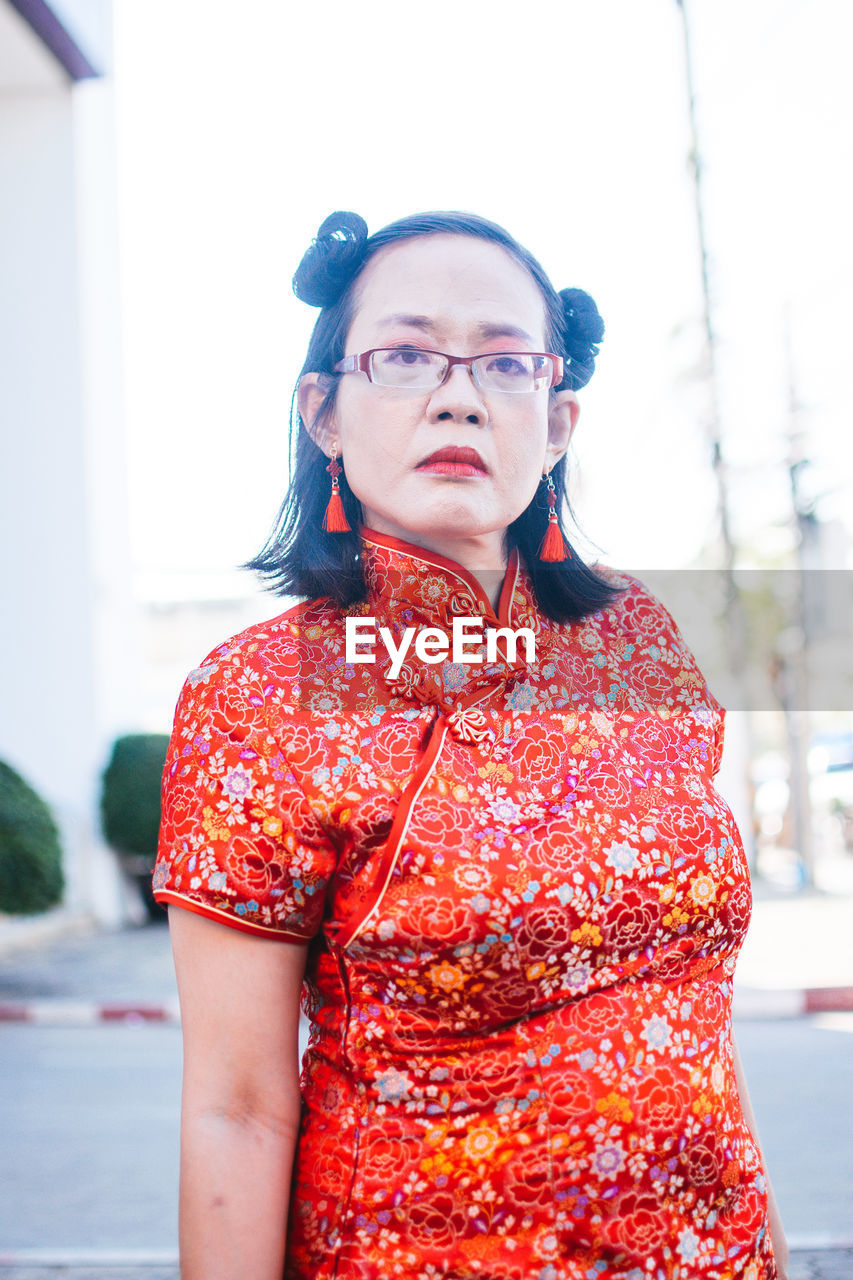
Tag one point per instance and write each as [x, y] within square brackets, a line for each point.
[423, 370]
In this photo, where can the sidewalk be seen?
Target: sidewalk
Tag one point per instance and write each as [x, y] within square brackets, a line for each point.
[91, 976]
[798, 954]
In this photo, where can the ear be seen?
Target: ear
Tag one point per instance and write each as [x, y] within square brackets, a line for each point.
[563, 414]
[310, 397]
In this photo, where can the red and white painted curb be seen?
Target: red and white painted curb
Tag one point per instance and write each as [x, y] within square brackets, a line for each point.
[749, 1002]
[94, 1258]
[87, 1013]
[765, 1002]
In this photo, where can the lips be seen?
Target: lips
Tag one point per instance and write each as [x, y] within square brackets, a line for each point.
[454, 460]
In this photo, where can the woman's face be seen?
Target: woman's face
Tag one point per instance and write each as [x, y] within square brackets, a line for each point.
[463, 296]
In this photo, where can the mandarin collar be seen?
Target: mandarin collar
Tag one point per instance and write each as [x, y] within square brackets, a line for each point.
[411, 586]
[433, 590]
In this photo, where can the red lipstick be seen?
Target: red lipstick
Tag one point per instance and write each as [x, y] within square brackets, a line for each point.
[454, 461]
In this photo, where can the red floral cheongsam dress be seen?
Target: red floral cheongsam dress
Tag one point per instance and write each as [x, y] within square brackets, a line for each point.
[524, 901]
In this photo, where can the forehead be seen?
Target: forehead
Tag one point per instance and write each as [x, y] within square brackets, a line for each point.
[459, 283]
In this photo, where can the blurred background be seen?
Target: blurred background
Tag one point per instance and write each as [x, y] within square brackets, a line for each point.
[164, 165]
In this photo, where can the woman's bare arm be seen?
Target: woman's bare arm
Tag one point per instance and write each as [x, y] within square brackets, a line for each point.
[240, 1105]
[777, 1233]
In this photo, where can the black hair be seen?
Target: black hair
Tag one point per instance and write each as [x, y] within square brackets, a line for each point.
[299, 557]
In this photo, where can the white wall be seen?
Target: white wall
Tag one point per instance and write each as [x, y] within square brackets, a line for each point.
[67, 652]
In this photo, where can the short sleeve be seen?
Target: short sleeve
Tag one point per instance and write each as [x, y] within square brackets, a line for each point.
[239, 840]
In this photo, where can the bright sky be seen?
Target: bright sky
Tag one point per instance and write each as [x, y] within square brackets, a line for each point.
[242, 126]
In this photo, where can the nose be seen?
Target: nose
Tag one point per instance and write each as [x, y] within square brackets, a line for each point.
[458, 399]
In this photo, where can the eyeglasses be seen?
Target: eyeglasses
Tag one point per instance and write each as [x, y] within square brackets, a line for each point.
[418, 370]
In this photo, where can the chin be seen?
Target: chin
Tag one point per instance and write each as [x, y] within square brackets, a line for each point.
[449, 516]
[451, 530]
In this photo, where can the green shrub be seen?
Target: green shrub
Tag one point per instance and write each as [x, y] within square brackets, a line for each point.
[31, 878]
[130, 800]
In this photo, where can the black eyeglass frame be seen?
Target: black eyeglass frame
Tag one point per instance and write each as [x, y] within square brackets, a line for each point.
[360, 363]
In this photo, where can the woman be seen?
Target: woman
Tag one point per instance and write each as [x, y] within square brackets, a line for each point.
[501, 870]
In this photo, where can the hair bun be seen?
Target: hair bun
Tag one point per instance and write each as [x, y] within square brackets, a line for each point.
[332, 260]
[584, 329]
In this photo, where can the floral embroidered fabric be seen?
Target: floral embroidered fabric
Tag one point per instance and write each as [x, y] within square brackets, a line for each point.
[523, 899]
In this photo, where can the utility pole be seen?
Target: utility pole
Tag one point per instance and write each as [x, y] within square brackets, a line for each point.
[795, 663]
[712, 424]
[735, 619]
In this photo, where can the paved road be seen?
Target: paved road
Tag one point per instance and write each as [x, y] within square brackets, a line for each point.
[90, 1123]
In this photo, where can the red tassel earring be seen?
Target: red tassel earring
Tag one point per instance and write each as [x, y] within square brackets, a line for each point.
[553, 547]
[335, 520]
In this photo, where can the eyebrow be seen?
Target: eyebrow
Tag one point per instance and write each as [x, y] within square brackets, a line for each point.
[485, 330]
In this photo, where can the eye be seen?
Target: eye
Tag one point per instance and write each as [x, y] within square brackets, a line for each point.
[408, 357]
[510, 366]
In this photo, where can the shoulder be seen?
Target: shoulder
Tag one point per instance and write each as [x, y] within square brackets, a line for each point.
[264, 664]
[637, 612]
[659, 661]
[274, 648]
[640, 627]
[634, 617]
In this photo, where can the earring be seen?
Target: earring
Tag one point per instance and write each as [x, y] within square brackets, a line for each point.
[553, 547]
[335, 520]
